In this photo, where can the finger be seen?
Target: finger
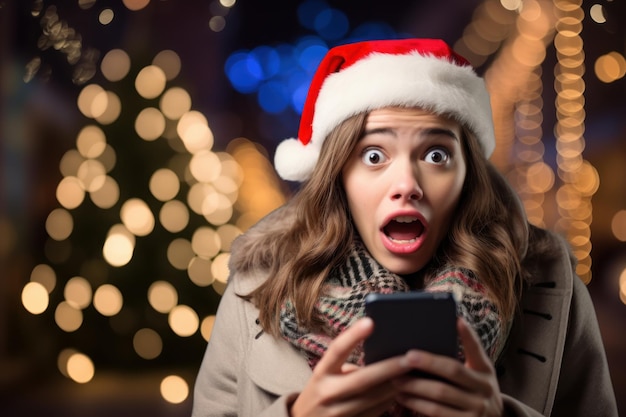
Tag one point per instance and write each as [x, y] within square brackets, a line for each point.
[378, 409]
[426, 407]
[475, 356]
[339, 349]
[368, 401]
[437, 392]
[451, 370]
[349, 367]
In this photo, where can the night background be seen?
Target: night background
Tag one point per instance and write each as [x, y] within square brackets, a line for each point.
[136, 140]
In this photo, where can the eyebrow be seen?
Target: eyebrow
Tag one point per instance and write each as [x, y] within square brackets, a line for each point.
[435, 131]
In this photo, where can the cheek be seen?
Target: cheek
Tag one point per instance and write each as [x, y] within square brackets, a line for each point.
[445, 197]
[360, 208]
[362, 204]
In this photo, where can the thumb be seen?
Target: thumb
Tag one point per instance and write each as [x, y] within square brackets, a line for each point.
[339, 349]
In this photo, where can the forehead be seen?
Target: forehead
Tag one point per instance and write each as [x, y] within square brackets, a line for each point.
[390, 119]
[403, 115]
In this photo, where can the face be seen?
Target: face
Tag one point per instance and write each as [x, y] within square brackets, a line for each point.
[403, 181]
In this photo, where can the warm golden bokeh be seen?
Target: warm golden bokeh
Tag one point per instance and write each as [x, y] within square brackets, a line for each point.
[174, 389]
[198, 199]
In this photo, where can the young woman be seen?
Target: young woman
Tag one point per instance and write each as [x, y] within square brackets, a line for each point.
[398, 195]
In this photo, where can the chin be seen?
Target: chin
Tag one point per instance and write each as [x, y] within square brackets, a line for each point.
[403, 268]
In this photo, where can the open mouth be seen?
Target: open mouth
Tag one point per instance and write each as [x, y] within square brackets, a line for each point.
[404, 229]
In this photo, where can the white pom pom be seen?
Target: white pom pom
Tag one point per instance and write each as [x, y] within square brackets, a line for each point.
[294, 161]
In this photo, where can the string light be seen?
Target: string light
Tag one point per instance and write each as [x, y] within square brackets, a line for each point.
[523, 41]
[579, 178]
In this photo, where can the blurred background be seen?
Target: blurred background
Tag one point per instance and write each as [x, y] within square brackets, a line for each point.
[136, 140]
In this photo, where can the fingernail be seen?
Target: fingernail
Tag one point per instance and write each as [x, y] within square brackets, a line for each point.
[410, 358]
[413, 355]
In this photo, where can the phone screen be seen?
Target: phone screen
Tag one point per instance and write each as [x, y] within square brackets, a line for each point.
[411, 320]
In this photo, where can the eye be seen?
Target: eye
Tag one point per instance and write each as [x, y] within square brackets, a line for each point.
[438, 156]
[373, 157]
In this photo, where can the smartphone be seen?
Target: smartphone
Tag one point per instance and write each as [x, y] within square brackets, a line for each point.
[411, 320]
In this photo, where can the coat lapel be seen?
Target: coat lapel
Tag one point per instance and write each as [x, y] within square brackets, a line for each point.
[276, 366]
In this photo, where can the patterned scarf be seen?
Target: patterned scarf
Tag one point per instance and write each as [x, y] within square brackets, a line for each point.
[342, 303]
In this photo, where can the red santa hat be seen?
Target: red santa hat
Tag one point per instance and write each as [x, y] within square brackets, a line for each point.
[365, 76]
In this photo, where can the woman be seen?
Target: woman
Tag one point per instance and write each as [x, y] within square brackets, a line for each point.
[398, 195]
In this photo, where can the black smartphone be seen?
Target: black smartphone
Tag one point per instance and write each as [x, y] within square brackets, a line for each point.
[411, 320]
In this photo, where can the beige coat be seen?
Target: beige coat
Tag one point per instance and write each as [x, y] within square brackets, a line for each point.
[554, 363]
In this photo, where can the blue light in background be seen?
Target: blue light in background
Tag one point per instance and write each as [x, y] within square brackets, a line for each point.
[311, 55]
[274, 97]
[331, 24]
[244, 72]
[268, 59]
[280, 75]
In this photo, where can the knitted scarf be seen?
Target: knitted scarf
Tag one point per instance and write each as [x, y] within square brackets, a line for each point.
[342, 303]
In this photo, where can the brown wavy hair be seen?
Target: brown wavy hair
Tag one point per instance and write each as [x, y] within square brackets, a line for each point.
[488, 235]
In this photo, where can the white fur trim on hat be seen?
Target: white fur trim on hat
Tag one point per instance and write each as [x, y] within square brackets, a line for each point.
[294, 161]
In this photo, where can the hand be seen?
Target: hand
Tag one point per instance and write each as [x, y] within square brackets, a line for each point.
[340, 389]
[472, 391]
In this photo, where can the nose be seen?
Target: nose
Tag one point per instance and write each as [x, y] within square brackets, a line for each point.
[404, 183]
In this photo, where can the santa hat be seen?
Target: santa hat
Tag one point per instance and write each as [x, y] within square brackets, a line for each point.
[364, 76]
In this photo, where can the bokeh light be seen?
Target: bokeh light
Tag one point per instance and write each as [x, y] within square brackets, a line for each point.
[68, 317]
[180, 253]
[169, 62]
[78, 292]
[164, 184]
[108, 300]
[150, 82]
[91, 96]
[59, 224]
[174, 389]
[44, 275]
[596, 12]
[175, 102]
[35, 298]
[136, 5]
[137, 217]
[199, 271]
[183, 320]
[194, 131]
[147, 343]
[106, 16]
[107, 195]
[150, 124]
[174, 216]
[618, 225]
[162, 296]
[70, 192]
[610, 67]
[119, 246]
[622, 286]
[206, 327]
[115, 65]
[90, 142]
[80, 368]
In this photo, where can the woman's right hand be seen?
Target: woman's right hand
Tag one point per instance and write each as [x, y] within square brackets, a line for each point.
[340, 389]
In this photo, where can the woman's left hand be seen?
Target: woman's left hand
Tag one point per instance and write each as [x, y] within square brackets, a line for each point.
[472, 390]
